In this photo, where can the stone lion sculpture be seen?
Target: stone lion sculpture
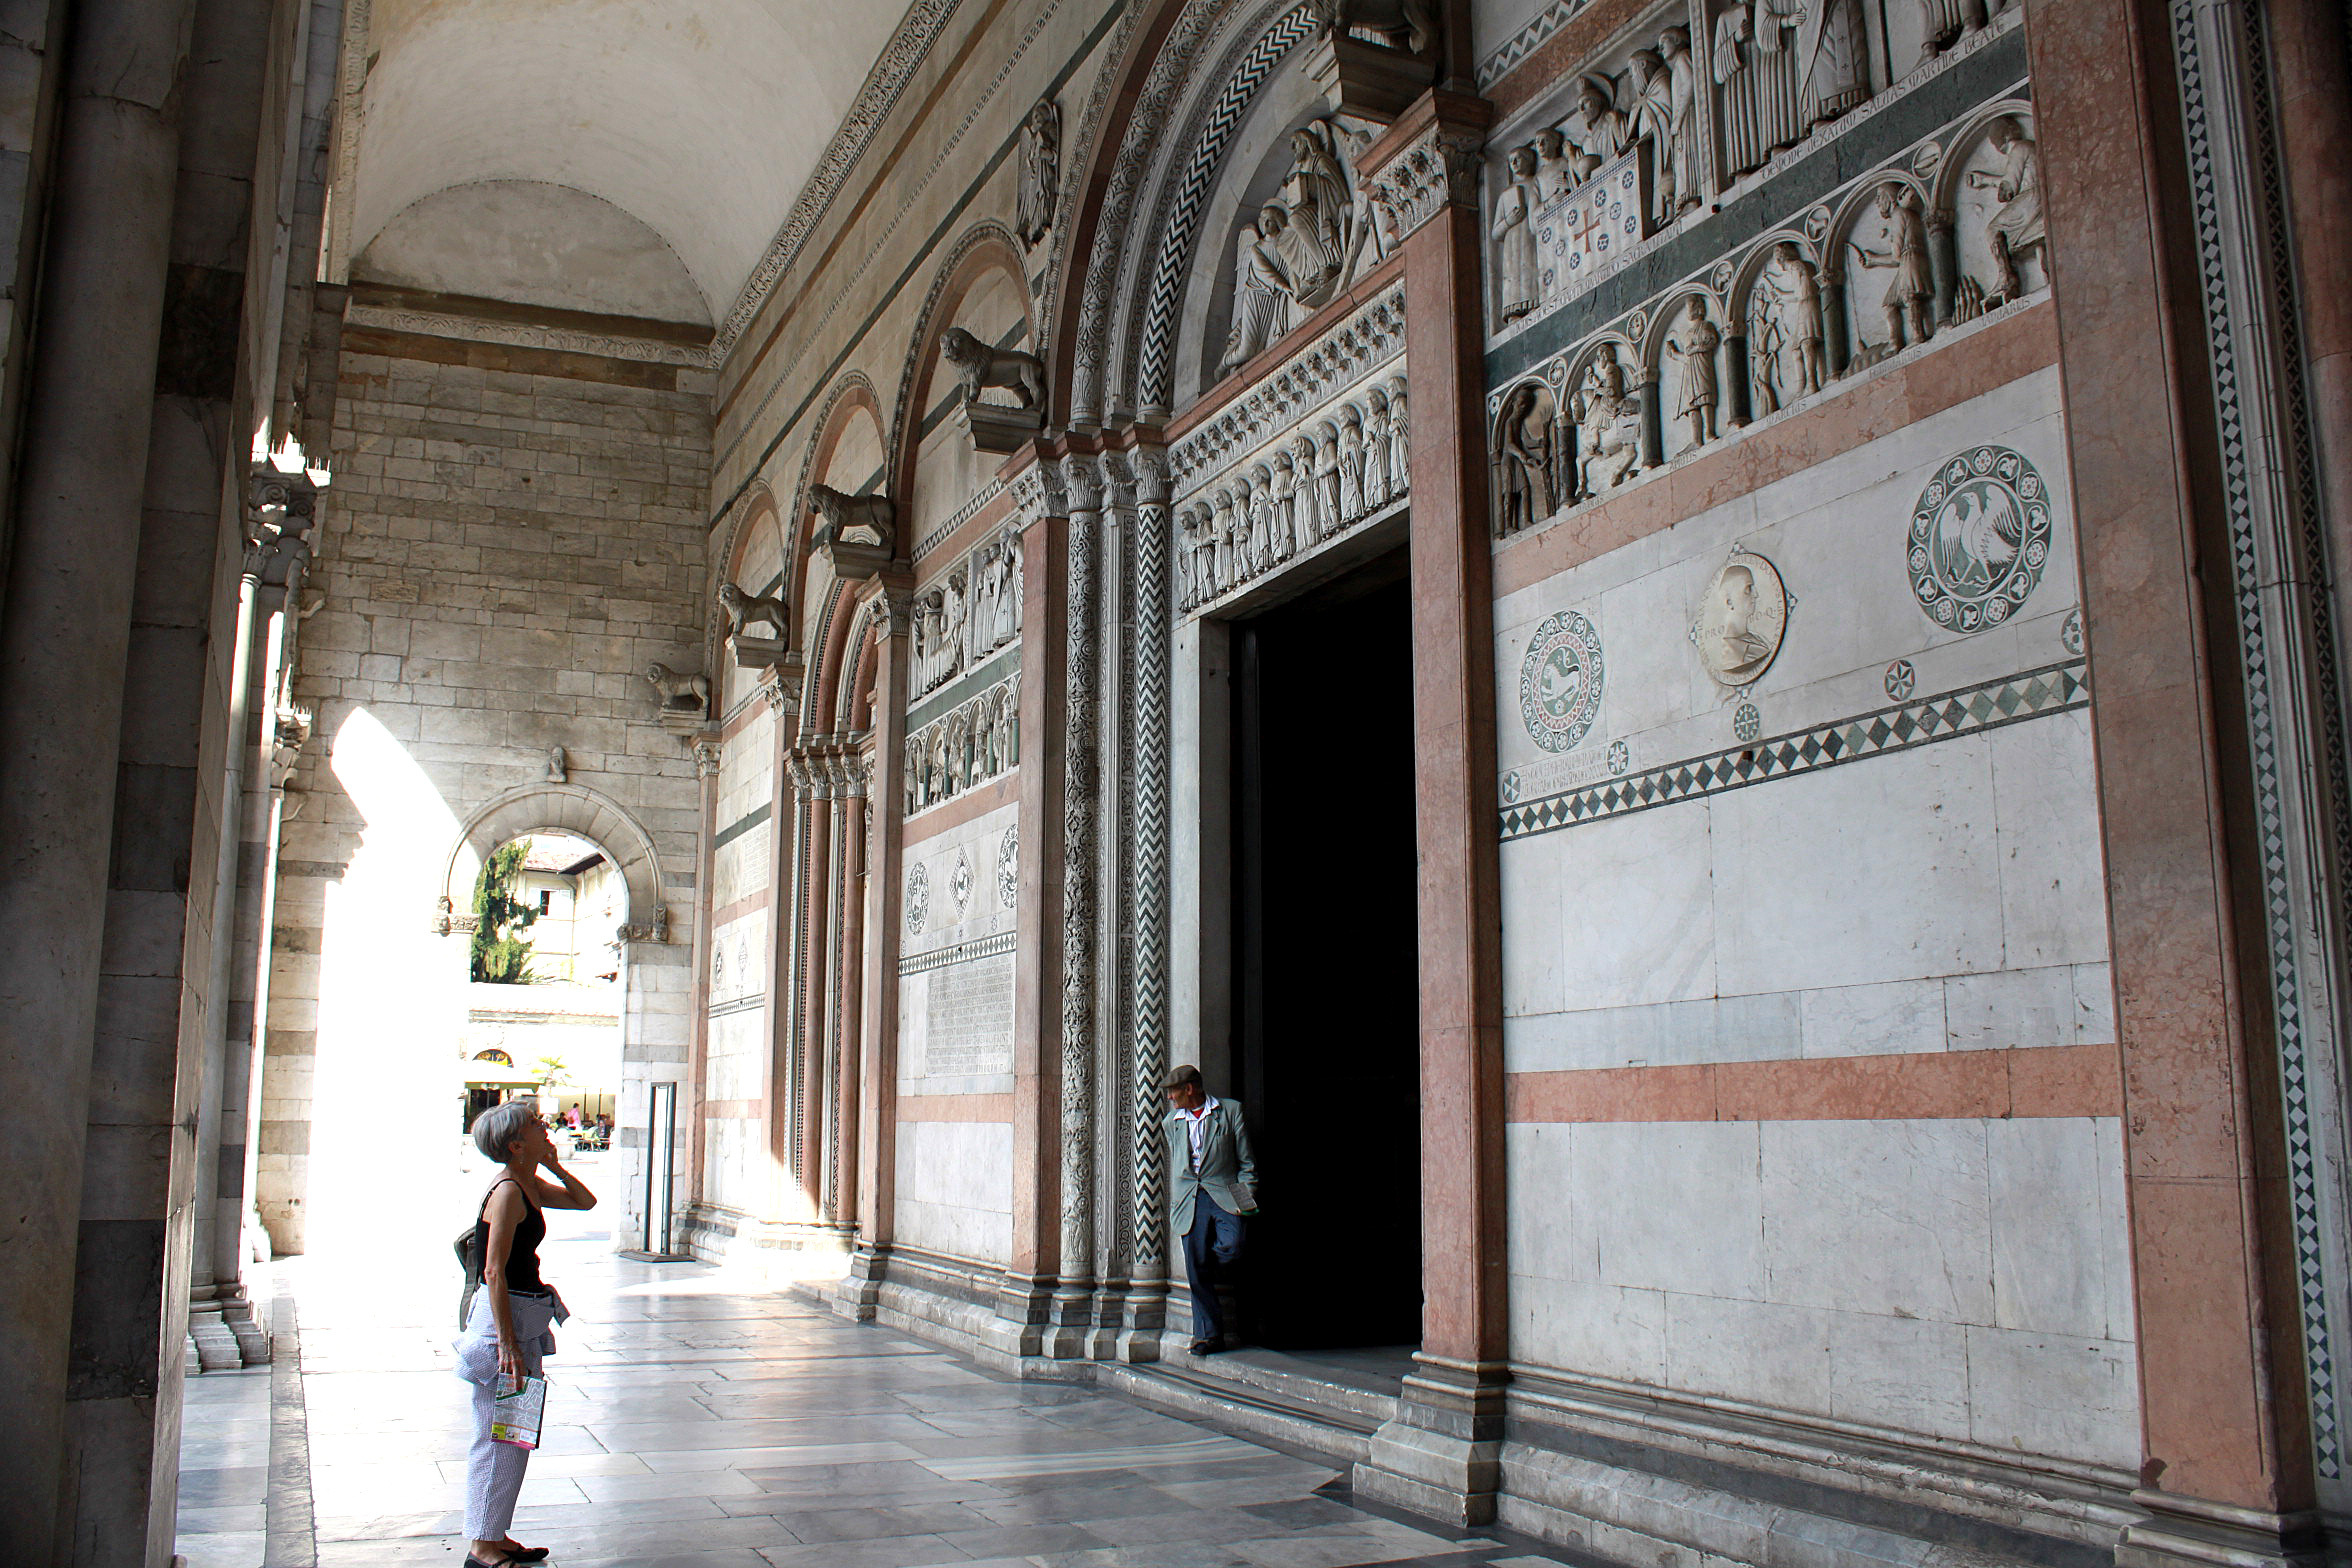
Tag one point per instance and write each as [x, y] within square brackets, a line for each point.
[980, 366]
[683, 690]
[750, 609]
[845, 515]
[1416, 20]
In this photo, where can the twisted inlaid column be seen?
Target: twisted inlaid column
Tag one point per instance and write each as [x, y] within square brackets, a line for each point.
[1153, 630]
[1080, 799]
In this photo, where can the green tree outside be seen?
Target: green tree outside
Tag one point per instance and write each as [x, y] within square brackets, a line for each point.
[500, 956]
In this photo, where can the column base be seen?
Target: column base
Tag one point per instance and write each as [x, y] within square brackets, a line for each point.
[2187, 1532]
[1441, 1454]
[214, 1347]
[858, 1293]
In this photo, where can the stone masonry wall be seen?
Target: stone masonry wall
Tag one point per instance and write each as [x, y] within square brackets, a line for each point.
[504, 551]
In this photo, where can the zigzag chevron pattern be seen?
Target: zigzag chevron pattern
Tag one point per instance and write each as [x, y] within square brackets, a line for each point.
[1152, 631]
[1184, 215]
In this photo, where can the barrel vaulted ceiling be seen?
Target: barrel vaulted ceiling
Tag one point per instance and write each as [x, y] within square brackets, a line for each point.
[560, 152]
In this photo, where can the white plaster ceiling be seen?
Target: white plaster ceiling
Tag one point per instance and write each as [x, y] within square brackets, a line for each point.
[702, 119]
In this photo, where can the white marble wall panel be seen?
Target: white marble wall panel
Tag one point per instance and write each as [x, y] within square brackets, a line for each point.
[955, 1188]
[955, 996]
[1943, 897]
[1961, 1279]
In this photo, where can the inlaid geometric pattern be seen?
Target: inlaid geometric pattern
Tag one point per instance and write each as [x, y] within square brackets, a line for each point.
[1972, 710]
[1526, 41]
[959, 953]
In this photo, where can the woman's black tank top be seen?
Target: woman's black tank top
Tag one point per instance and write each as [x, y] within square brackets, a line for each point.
[522, 1254]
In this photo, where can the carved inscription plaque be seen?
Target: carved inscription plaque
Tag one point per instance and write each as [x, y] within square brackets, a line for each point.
[968, 1018]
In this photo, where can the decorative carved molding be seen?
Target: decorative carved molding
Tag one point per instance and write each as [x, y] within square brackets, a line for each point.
[1772, 323]
[897, 64]
[1435, 169]
[972, 743]
[972, 610]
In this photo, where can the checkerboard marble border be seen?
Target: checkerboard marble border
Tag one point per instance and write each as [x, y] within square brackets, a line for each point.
[960, 953]
[1971, 710]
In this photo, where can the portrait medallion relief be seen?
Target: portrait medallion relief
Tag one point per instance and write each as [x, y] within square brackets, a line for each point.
[1008, 868]
[1560, 681]
[1980, 536]
[1742, 619]
[959, 881]
[918, 897]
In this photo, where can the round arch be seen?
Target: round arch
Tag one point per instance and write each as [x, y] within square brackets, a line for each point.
[563, 808]
[985, 248]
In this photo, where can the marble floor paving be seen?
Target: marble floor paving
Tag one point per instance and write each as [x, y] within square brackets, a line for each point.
[699, 1420]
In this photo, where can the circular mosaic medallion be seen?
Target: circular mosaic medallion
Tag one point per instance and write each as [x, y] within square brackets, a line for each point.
[1741, 620]
[2070, 631]
[1980, 537]
[1901, 679]
[1620, 757]
[1008, 868]
[1560, 681]
[918, 896]
[1746, 722]
[959, 881]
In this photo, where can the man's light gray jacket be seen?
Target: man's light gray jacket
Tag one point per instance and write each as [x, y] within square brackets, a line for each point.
[1228, 1170]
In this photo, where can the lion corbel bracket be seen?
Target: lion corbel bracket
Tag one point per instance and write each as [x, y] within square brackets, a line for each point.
[759, 637]
[996, 428]
[858, 534]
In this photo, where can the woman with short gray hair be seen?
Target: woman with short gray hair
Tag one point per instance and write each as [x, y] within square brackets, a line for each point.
[508, 1329]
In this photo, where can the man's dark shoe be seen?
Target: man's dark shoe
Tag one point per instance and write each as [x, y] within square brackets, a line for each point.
[1205, 1347]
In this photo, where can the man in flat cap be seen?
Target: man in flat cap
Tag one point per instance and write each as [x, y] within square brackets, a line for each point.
[1214, 1180]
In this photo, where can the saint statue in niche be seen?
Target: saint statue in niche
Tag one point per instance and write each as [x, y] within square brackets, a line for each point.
[1904, 249]
[1780, 121]
[1786, 337]
[1741, 150]
[1694, 351]
[1529, 442]
[1832, 53]
[2016, 220]
[1041, 162]
[1514, 236]
[1608, 423]
[1653, 125]
[1679, 152]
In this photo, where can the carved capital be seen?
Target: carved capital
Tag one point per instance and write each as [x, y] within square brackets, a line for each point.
[707, 755]
[1038, 491]
[1150, 465]
[1083, 476]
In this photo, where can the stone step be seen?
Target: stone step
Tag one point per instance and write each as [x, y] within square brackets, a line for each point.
[1332, 1431]
[1370, 1392]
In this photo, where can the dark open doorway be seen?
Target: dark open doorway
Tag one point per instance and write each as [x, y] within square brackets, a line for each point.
[1326, 1027]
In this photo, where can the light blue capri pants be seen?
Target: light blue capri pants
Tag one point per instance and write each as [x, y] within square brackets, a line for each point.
[494, 1470]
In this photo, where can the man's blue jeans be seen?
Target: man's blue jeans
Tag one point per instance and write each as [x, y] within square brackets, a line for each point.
[1211, 1248]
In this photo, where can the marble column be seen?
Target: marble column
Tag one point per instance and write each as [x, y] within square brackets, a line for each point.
[1052, 518]
[2227, 1419]
[1439, 1454]
[877, 1122]
[64, 653]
